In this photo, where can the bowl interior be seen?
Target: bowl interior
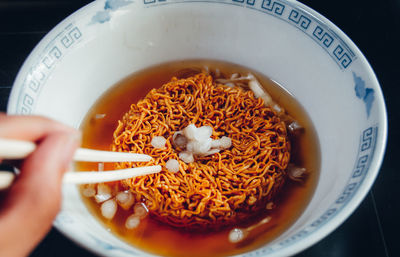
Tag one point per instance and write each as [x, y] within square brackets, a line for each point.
[293, 45]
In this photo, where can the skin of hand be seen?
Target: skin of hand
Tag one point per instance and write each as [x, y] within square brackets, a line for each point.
[29, 206]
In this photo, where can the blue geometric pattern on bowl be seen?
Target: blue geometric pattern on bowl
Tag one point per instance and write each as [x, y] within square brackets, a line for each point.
[363, 93]
[286, 11]
[41, 71]
[315, 29]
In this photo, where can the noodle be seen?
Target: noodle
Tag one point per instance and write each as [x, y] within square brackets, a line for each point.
[221, 188]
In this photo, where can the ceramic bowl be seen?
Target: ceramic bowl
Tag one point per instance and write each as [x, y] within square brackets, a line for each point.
[292, 44]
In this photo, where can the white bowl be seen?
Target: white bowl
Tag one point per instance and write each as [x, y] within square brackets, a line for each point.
[107, 40]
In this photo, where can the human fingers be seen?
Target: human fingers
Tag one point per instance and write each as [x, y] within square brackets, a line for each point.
[30, 128]
[34, 199]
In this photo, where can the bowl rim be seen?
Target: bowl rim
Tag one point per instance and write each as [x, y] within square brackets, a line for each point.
[330, 225]
[351, 206]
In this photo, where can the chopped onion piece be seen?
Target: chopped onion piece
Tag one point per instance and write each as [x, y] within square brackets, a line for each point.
[223, 143]
[172, 165]
[198, 142]
[236, 235]
[199, 147]
[296, 173]
[158, 142]
[125, 199]
[179, 139]
[103, 193]
[256, 87]
[277, 108]
[187, 157]
[211, 152]
[203, 132]
[132, 222]
[140, 210]
[234, 75]
[99, 116]
[190, 146]
[294, 126]
[108, 209]
[190, 131]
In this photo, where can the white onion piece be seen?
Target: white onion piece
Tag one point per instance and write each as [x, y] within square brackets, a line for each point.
[277, 108]
[199, 147]
[211, 152]
[172, 165]
[103, 193]
[140, 210]
[132, 222]
[296, 173]
[223, 143]
[226, 142]
[108, 209]
[202, 133]
[235, 75]
[190, 146]
[259, 92]
[100, 116]
[125, 199]
[190, 131]
[89, 191]
[179, 139]
[198, 142]
[187, 157]
[158, 142]
[294, 126]
[236, 235]
[203, 146]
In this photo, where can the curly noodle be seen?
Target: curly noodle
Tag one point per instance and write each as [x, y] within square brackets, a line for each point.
[218, 189]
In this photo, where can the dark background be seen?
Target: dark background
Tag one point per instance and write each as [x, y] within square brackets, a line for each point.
[374, 26]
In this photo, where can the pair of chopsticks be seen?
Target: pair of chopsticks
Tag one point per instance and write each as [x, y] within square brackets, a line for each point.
[11, 149]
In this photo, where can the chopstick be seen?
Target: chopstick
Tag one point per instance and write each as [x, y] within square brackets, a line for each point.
[12, 149]
[88, 177]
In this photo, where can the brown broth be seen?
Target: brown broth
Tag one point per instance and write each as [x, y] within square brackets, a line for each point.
[160, 239]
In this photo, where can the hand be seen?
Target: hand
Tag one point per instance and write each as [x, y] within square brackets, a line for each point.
[29, 207]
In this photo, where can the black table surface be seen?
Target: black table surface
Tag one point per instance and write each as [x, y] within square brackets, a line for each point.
[373, 25]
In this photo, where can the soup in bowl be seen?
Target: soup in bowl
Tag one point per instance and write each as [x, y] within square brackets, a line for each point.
[282, 121]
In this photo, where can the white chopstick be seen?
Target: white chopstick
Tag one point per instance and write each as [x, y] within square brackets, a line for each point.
[17, 149]
[89, 177]
[12, 149]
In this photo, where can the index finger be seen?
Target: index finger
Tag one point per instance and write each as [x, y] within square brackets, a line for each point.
[30, 128]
